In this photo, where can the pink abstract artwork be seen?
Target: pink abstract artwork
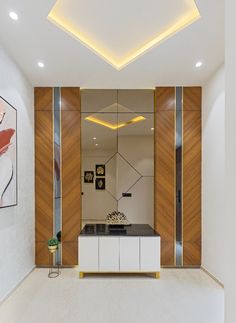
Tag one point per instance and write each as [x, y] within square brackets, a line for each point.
[8, 158]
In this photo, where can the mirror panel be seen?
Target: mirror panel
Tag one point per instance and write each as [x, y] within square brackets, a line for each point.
[124, 146]
[99, 101]
[135, 101]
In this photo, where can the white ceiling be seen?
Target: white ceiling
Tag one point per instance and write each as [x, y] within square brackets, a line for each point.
[117, 35]
[68, 62]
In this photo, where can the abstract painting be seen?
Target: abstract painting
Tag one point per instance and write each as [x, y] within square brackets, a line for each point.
[8, 154]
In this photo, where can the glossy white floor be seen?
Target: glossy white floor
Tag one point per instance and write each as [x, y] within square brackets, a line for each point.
[180, 296]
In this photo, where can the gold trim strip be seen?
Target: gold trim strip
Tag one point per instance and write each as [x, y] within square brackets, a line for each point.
[212, 276]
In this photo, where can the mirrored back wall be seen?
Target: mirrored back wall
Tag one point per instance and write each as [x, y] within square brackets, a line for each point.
[117, 143]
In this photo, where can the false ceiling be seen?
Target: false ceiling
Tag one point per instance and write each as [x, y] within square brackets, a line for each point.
[121, 37]
[115, 44]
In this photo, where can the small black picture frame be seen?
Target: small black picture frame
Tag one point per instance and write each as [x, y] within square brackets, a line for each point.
[88, 176]
[100, 184]
[100, 170]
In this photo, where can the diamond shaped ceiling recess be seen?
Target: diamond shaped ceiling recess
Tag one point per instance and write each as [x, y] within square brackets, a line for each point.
[107, 117]
[130, 28]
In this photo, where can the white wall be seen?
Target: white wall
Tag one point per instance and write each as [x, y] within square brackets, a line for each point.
[229, 229]
[17, 223]
[213, 165]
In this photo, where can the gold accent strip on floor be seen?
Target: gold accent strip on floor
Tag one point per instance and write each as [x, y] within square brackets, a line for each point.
[212, 276]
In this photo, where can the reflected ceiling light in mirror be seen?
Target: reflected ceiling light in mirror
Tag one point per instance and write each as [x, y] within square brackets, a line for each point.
[94, 138]
[96, 144]
[13, 15]
[40, 64]
[152, 129]
[114, 126]
[198, 64]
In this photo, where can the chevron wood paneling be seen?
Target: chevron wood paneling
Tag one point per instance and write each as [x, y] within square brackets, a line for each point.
[192, 254]
[165, 183]
[70, 253]
[167, 253]
[43, 175]
[192, 98]
[192, 188]
[165, 98]
[71, 181]
[43, 98]
[43, 184]
[41, 254]
[70, 98]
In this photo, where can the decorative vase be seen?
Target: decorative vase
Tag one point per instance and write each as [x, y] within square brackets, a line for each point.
[52, 249]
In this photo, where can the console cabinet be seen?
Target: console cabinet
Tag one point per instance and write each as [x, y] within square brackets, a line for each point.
[119, 255]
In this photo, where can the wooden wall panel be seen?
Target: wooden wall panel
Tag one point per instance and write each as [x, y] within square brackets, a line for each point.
[70, 253]
[192, 98]
[43, 182]
[192, 254]
[165, 98]
[71, 182]
[191, 188]
[43, 175]
[70, 98]
[43, 98]
[165, 183]
[41, 254]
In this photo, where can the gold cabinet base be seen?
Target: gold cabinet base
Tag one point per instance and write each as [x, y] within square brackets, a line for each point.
[156, 274]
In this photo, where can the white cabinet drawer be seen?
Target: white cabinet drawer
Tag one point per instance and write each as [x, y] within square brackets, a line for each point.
[108, 254]
[150, 254]
[129, 254]
[88, 254]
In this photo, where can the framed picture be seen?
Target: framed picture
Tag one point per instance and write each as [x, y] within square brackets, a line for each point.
[8, 154]
[100, 170]
[100, 184]
[88, 176]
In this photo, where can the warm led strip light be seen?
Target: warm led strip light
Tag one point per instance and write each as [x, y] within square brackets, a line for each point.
[113, 126]
[183, 23]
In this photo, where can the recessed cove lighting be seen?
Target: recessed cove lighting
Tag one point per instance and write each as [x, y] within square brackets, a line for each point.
[13, 15]
[40, 64]
[198, 64]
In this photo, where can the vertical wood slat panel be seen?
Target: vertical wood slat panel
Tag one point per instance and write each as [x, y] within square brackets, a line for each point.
[43, 98]
[192, 98]
[71, 177]
[191, 181]
[41, 254]
[43, 173]
[165, 175]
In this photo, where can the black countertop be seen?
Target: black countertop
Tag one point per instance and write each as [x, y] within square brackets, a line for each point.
[133, 230]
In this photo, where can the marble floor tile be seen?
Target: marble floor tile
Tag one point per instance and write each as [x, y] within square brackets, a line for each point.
[180, 296]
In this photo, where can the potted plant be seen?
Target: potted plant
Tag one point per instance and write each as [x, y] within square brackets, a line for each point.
[53, 244]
